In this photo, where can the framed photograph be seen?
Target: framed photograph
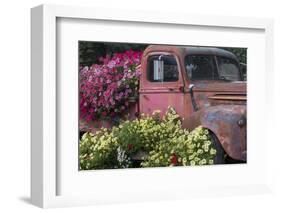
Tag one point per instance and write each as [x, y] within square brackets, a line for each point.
[129, 106]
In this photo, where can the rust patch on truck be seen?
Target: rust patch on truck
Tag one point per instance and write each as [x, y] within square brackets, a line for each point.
[229, 97]
[228, 123]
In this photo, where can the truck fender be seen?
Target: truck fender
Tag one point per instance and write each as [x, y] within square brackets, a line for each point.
[228, 123]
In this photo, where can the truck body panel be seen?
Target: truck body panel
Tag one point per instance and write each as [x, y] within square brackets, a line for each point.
[221, 105]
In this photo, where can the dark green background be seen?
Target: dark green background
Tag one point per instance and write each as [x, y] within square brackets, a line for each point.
[90, 52]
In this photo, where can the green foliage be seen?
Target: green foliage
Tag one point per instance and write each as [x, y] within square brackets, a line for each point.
[163, 140]
[240, 53]
[91, 52]
[98, 151]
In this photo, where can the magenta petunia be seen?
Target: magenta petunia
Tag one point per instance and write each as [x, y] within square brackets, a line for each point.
[108, 85]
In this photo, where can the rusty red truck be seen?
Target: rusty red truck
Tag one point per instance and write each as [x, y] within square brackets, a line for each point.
[205, 87]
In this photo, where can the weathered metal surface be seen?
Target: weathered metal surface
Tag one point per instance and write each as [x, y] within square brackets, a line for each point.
[223, 121]
[236, 87]
[161, 95]
[221, 104]
[229, 97]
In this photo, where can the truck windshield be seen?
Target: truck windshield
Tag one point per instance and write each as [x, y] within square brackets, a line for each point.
[203, 67]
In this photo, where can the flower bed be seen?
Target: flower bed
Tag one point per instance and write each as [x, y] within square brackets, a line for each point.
[106, 89]
[162, 142]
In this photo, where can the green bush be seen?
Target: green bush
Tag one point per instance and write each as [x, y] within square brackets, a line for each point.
[98, 151]
[163, 140]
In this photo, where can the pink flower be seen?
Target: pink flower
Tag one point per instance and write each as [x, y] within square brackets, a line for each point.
[88, 118]
[106, 93]
[111, 64]
[108, 85]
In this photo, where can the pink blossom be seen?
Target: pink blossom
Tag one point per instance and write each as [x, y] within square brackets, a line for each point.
[105, 86]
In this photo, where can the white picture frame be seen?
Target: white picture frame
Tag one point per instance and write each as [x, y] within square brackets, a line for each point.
[45, 153]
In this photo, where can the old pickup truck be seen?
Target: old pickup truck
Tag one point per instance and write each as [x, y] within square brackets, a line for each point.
[205, 86]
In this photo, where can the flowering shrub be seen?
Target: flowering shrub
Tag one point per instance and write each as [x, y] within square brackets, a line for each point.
[181, 148]
[105, 89]
[101, 151]
[163, 140]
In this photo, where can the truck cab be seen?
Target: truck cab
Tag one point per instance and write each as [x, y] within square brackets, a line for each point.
[204, 85]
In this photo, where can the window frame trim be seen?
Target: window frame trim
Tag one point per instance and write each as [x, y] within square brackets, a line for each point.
[166, 53]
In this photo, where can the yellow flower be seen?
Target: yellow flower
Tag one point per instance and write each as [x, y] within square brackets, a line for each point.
[208, 143]
[213, 151]
[203, 161]
[196, 159]
[205, 147]
[199, 151]
[156, 112]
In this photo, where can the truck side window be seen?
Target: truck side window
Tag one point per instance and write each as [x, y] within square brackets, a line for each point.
[162, 68]
[228, 69]
[201, 67]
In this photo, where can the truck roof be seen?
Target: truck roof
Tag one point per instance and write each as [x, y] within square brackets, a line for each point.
[192, 50]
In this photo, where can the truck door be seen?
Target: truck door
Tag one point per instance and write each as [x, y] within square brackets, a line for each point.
[161, 84]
